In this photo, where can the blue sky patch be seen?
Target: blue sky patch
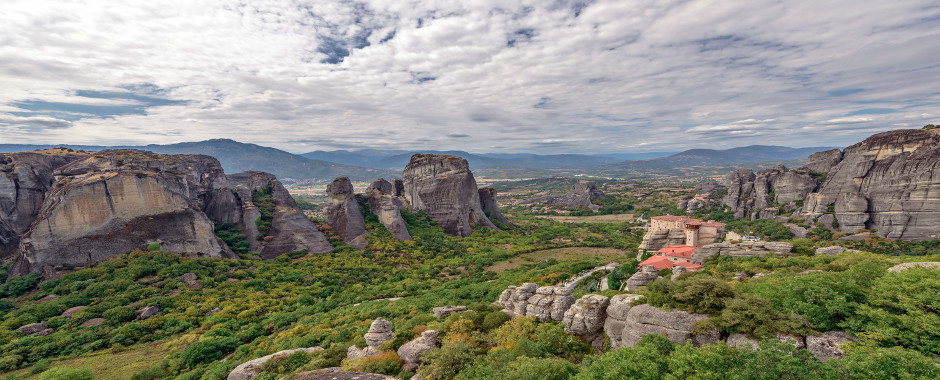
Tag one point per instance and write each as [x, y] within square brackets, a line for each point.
[871, 111]
[142, 97]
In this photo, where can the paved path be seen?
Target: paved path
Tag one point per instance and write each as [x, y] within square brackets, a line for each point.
[571, 283]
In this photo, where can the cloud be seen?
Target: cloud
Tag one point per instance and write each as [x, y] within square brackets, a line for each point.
[518, 75]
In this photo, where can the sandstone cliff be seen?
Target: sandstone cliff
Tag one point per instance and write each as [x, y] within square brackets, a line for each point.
[387, 206]
[343, 213]
[581, 195]
[112, 202]
[25, 178]
[444, 188]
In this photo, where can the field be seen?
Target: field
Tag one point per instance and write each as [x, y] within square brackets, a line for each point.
[613, 219]
[559, 254]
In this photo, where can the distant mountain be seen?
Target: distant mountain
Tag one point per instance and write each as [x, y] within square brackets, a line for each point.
[702, 157]
[236, 156]
[398, 159]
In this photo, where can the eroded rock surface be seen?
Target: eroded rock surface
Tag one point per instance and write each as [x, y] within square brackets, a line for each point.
[530, 300]
[642, 277]
[677, 326]
[248, 370]
[742, 249]
[581, 195]
[827, 345]
[25, 177]
[443, 187]
[412, 351]
[387, 206]
[343, 213]
[490, 206]
[921, 264]
[617, 311]
[586, 319]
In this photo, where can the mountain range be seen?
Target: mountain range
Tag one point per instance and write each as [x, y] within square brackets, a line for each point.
[369, 164]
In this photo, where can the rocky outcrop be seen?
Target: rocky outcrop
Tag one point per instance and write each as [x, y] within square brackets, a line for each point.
[889, 182]
[642, 277]
[677, 271]
[148, 311]
[444, 188]
[742, 249]
[677, 326]
[33, 327]
[343, 213]
[656, 239]
[834, 250]
[544, 303]
[742, 342]
[823, 162]
[248, 370]
[489, 205]
[289, 229]
[581, 195]
[445, 310]
[387, 206]
[25, 178]
[380, 331]
[797, 231]
[827, 345]
[921, 264]
[749, 194]
[586, 319]
[112, 202]
[412, 351]
[617, 311]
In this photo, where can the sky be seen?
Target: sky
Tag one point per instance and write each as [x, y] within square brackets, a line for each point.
[565, 76]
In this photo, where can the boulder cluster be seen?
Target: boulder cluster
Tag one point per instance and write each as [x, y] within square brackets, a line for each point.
[380, 331]
[884, 183]
[61, 208]
[742, 249]
[441, 186]
[597, 319]
[581, 195]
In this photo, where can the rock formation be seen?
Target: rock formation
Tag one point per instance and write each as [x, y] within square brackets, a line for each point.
[742, 342]
[920, 264]
[113, 202]
[887, 183]
[642, 277]
[657, 238]
[827, 345]
[387, 206]
[489, 205]
[412, 351]
[343, 213]
[248, 370]
[445, 310]
[25, 178]
[379, 332]
[677, 271]
[586, 319]
[581, 195]
[617, 311]
[444, 188]
[677, 326]
[529, 300]
[742, 249]
[834, 250]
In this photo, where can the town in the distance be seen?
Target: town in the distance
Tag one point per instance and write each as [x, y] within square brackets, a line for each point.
[229, 260]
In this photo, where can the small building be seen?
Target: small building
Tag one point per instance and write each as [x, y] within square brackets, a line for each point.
[673, 255]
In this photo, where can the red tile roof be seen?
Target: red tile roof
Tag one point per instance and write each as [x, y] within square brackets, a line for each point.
[689, 266]
[678, 250]
[659, 262]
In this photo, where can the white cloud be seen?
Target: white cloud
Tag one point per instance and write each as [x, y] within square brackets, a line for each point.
[622, 75]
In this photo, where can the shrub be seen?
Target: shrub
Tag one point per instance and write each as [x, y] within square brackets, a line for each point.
[386, 363]
[205, 351]
[153, 247]
[66, 373]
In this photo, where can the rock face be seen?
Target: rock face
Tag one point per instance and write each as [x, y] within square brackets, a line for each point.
[823, 162]
[24, 180]
[387, 206]
[586, 319]
[343, 213]
[834, 250]
[445, 310]
[529, 300]
[675, 325]
[112, 202]
[33, 327]
[489, 205]
[827, 345]
[922, 264]
[742, 249]
[617, 317]
[379, 332]
[248, 370]
[444, 188]
[888, 182]
[749, 194]
[580, 196]
[412, 351]
[656, 239]
[290, 230]
[642, 277]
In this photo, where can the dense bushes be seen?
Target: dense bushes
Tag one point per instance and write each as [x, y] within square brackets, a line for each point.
[208, 350]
